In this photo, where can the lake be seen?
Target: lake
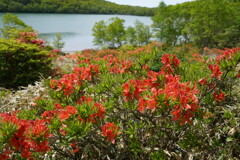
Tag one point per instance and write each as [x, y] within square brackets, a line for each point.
[76, 29]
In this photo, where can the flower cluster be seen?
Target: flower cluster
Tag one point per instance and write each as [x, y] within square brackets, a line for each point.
[219, 96]
[170, 62]
[70, 82]
[110, 130]
[164, 89]
[216, 71]
[24, 136]
[116, 65]
[132, 89]
[227, 54]
[31, 37]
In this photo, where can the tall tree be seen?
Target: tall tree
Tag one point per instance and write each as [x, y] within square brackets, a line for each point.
[143, 33]
[166, 24]
[99, 33]
[210, 19]
[131, 35]
[115, 32]
[12, 25]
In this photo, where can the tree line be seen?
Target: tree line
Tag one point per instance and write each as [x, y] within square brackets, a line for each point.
[204, 23]
[113, 33]
[72, 6]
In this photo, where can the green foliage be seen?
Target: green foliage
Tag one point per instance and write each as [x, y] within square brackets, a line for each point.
[139, 35]
[22, 64]
[205, 23]
[113, 106]
[131, 35]
[57, 41]
[12, 26]
[115, 32]
[72, 6]
[110, 34]
[99, 33]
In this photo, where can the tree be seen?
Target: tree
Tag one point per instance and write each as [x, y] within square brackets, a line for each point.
[210, 19]
[131, 35]
[72, 6]
[3, 6]
[12, 26]
[143, 33]
[205, 23]
[115, 32]
[138, 35]
[57, 41]
[166, 24]
[109, 34]
[99, 33]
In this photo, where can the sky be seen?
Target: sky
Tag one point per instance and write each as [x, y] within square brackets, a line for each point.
[147, 3]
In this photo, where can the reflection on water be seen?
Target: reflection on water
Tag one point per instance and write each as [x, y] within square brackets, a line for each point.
[72, 40]
[76, 29]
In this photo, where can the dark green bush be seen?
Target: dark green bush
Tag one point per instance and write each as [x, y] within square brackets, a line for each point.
[22, 61]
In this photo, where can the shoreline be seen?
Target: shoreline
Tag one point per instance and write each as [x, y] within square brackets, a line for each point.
[70, 52]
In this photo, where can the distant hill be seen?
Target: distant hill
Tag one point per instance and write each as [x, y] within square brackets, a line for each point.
[72, 6]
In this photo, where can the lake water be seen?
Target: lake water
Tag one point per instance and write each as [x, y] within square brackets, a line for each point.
[76, 29]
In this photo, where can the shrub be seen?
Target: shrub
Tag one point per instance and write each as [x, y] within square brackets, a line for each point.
[23, 60]
[114, 107]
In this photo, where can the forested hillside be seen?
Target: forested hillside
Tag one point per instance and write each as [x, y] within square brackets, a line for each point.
[72, 6]
[204, 23]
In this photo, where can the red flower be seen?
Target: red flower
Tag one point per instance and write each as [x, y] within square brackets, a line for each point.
[219, 96]
[133, 89]
[126, 91]
[99, 113]
[63, 115]
[147, 104]
[110, 131]
[203, 81]
[216, 71]
[75, 147]
[4, 155]
[41, 147]
[69, 82]
[71, 110]
[238, 75]
[170, 62]
[84, 99]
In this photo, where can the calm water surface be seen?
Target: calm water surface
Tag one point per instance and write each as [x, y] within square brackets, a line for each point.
[76, 29]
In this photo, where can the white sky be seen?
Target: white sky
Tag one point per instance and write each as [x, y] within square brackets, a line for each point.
[147, 3]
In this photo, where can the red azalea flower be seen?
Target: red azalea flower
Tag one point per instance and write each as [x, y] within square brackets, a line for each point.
[147, 104]
[84, 99]
[63, 115]
[133, 89]
[216, 71]
[75, 147]
[110, 131]
[219, 96]
[71, 110]
[203, 81]
[170, 62]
